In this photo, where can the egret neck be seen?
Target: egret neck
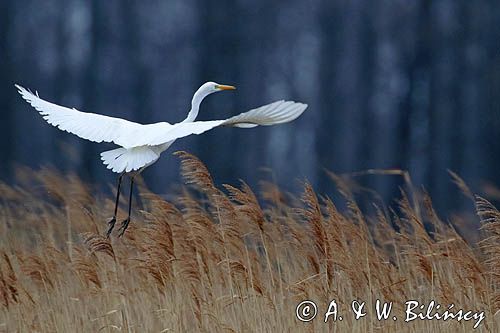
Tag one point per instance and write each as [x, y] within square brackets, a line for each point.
[198, 97]
[205, 90]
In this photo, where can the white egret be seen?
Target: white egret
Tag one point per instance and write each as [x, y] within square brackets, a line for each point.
[141, 145]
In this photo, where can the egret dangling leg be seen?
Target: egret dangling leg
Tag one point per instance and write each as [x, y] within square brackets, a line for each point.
[125, 222]
[113, 220]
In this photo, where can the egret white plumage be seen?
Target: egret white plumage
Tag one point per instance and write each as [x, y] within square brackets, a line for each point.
[142, 144]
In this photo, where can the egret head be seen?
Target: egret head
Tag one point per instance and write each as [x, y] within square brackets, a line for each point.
[210, 88]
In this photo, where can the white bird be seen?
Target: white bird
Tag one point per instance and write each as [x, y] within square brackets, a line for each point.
[141, 145]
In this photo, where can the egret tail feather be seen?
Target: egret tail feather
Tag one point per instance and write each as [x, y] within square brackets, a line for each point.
[128, 159]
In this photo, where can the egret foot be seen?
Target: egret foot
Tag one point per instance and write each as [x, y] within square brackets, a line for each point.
[111, 226]
[123, 227]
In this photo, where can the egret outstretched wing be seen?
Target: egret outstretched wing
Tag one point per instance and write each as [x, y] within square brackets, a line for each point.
[90, 126]
[99, 128]
[271, 114]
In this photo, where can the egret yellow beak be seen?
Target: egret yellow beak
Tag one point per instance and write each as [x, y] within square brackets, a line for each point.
[224, 87]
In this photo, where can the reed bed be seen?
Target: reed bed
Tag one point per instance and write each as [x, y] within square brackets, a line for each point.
[229, 259]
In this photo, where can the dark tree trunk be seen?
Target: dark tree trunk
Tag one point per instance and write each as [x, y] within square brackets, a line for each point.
[91, 83]
[7, 90]
[218, 61]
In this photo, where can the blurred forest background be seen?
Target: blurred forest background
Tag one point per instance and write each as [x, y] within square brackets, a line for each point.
[390, 84]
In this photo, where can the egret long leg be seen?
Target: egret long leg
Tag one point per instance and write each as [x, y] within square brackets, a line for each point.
[125, 222]
[113, 220]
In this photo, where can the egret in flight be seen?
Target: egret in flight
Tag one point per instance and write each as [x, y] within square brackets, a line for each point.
[142, 144]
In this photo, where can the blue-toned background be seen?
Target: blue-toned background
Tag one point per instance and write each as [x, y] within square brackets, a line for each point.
[390, 84]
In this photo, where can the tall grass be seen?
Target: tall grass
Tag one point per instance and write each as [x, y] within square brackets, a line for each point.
[220, 260]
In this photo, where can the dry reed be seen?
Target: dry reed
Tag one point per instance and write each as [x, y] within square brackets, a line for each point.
[219, 260]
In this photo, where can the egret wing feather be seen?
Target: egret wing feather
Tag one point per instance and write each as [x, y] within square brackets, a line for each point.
[272, 114]
[91, 126]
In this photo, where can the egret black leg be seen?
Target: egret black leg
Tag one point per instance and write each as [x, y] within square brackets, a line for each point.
[112, 222]
[125, 222]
